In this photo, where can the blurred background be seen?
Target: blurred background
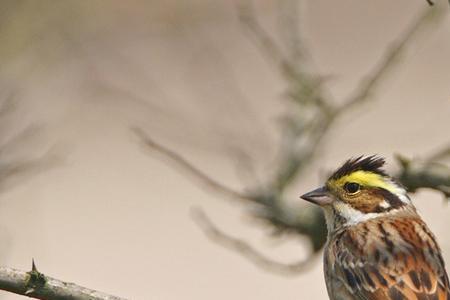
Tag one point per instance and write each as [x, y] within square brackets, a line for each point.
[229, 87]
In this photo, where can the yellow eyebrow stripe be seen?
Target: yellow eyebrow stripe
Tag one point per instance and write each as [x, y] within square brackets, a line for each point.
[365, 178]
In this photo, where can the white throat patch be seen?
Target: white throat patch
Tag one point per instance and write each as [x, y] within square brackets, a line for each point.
[348, 215]
[351, 215]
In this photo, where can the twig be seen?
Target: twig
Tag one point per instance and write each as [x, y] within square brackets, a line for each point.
[426, 173]
[319, 126]
[265, 42]
[289, 19]
[181, 162]
[441, 154]
[246, 250]
[36, 285]
[310, 119]
[371, 81]
[274, 215]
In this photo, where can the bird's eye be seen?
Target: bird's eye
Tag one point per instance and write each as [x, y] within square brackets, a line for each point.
[352, 187]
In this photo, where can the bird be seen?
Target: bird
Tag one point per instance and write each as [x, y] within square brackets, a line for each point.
[378, 246]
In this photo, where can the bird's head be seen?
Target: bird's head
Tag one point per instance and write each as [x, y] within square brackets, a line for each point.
[358, 191]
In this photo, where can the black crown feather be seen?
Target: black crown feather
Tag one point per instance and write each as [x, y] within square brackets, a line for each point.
[371, 163]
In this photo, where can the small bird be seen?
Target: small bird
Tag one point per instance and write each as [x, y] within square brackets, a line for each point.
[378, 247]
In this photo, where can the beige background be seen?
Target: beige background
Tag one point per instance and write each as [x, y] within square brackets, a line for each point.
[116, 218]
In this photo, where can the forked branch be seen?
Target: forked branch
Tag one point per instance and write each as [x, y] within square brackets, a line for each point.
[271, 215]
[311, 115]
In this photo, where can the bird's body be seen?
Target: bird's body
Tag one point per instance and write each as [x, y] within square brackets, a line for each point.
[393, 258]
[378, 246]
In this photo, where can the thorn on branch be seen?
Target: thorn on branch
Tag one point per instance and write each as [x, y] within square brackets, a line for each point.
[246, 250]
[35, 281]
[33, 265]
[35, 284]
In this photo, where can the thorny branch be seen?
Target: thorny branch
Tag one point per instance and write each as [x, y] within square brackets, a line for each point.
[312, 113]
[14, 169]
[32, 284]
[36, 285]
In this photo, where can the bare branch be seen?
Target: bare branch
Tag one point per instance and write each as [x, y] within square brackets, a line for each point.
[246, 250]
[441, 154]
[34, 284]
[266, 43]
[370, 82]
[426, 173]
[181, 162]
[270, 209]
[307, 123]
[292, 36]
[296, 159]
[15, 172]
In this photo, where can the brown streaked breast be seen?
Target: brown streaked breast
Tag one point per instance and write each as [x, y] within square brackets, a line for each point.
[389, 258]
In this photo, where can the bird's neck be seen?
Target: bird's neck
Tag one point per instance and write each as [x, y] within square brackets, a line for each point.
[338, 221]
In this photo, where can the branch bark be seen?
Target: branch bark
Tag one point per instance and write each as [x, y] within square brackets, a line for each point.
[36, 285]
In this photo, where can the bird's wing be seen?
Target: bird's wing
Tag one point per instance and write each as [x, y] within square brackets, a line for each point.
[403, 262]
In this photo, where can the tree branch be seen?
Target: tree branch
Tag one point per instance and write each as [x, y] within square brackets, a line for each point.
[311, 132]
[370, 82]
[307, 122]
[246, 250]
[34, 284]
[193, 171]
[262, 38]
[425, 173]
[441, 154]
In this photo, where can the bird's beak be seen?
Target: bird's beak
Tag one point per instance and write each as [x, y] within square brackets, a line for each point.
[320, 196]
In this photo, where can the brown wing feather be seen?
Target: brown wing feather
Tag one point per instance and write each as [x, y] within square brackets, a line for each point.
[389, 259]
